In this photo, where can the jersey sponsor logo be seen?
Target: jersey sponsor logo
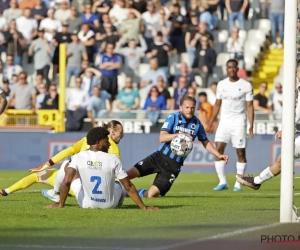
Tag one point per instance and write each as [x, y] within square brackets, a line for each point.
[94, 164]
[185, 130]
[165, 125]
[172, 179]
[233, 98]
[98, 200]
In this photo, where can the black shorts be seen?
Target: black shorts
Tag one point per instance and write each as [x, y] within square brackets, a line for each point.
[167, 170]
[110, 84]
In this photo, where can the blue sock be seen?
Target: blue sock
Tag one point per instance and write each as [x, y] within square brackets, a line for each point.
[141, 192]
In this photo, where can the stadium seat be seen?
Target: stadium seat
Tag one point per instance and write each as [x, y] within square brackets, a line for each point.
[249, 62]
[243, 34]
[264, 25]
[222, 58]
[257, 35]
[223, 36]
[184, 58]
[219, 48]
[171, 91]
[175, 67]
[173, 59]
[198, 80]
[143, 68]
[223, 25]
[218, 70]
[121, 81]
[252, 47]
[97, 59]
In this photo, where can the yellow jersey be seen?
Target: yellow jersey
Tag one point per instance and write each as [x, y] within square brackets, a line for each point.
[82, 145]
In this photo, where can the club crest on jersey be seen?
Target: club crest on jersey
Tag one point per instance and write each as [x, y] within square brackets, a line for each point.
[193, 126]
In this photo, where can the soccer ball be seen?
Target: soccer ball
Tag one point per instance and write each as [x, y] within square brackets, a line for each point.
[182, 145]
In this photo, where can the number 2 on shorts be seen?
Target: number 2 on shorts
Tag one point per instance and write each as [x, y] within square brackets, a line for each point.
[98, 182]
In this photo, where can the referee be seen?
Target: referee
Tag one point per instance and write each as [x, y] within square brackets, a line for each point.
[109, 65]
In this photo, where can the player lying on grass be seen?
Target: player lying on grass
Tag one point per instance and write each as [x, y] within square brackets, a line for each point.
[91, 175]
[269, 172]
[163, 162]
[48, 176]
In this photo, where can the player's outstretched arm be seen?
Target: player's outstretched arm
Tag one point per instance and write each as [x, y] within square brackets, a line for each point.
[131, 190]
[215, 112]
[65, 188]
[211, 149]
[250, 112]
[165, 136]
[3, 103]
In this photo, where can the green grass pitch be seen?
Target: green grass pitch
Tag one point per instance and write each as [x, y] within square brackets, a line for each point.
[191, 210]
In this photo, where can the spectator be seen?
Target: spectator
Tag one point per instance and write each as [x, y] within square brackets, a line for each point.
[260, 102]
[139, 5]
[205, 61]
[161, 51]
[90, 18]
[128, 99]
[14, 42]
[107, 33]
[164, 26]
[161, 85]
[39, 12]
[235, 45]
[76, 52]
[87, 38]
[23, 94]
[133, 56]
[74, 20]
[178, 24]
[277, 22]
[42, 55]
[190, 34]
[130, 28]
[50, 25]
[79, 4]
[13, 12]
[10, 68]
[277, 101]
[27, 26]
[39, 79]
[41, 96]
[155, 102]
[264, 8]
[14, 80]
[151, 21]
[77, 101]
[184, 71]
[3, 22]
[205, 110]
[202, 32]
[101, 7]
[51, 99]
[90, 78]
[118, 13]
[6, 89]
[236, 10]
[192, 92]
[5, 4]
[150, 78]
[110, 64]
[194, 9]
[63, 13]
[61, 37]
[97, 105]
[180, 92]
[26, 4]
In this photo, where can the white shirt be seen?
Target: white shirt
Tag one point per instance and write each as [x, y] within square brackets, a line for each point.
[234, 96]
[97, 172]
[120, 14]
[3, 23]
[26, 26]
[62, 15]
[150, 22]
[50, 24]
[77, 97]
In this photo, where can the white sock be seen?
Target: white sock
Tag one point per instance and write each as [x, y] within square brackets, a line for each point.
[220, 169]
[240, 170]
[59, 178]
[7, 191]
[265, 175]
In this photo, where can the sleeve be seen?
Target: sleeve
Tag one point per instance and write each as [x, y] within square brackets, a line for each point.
[218, 94]
[120, 172]
[168, 124]
[33, 90]
[249, 93]
[136, 94]
[118, 59]
[74, 162]
[201, 133]
[74, 149]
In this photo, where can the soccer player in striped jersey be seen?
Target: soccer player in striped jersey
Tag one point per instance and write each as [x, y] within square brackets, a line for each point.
[54, 177]
[163, 162]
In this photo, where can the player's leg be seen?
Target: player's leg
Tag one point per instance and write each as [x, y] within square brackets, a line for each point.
[222, 138]
[119, 194]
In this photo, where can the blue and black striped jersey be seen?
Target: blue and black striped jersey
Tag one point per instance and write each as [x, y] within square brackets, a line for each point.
[176, 123]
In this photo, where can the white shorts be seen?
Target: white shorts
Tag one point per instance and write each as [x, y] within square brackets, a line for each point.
[83, 201]
[297, 148]
[237, 135]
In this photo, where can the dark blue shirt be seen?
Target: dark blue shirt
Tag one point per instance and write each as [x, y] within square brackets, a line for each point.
[114, 59]
[176, 123]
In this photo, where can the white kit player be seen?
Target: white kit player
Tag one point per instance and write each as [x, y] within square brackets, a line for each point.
[3, 102]
[236, 97]
[91, 175]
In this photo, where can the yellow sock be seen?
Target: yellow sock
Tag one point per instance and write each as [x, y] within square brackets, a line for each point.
[23, 183]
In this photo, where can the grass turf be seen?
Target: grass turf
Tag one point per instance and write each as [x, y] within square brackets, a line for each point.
[191, 210]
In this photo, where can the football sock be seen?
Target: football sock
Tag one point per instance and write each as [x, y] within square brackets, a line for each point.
[240, 170]
[265, 175]
[59, 178]
[23, 183]
[220, 169]
[141, 192]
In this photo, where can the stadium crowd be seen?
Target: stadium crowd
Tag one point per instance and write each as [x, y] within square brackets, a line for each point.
[125, 55]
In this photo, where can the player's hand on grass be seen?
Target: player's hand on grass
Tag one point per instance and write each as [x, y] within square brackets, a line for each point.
[250, 136]
[54, 206]
[224, 157]
[278, 135]
[41, 167]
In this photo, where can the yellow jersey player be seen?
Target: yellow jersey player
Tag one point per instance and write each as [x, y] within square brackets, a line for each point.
[42, 174]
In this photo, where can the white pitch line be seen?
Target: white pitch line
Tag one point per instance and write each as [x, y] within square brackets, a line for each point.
[218, 236]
